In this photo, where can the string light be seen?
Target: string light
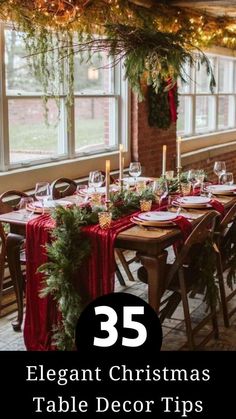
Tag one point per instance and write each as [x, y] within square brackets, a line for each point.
[74, 14]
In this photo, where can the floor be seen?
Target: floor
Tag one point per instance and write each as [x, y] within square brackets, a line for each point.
[173, 329]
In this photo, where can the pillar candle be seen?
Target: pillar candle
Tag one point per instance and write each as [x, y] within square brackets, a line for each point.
[108, 167]
[164, 160]
[121, 161]
[179, 152]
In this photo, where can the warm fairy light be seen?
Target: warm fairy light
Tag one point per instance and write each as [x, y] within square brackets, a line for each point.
[202, 30]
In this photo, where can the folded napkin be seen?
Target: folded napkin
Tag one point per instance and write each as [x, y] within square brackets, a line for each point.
[218, 206]
[184, 225]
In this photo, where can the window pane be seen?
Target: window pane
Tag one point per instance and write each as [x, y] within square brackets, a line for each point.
[226, 76]
[185, 112]
[226, 112]
[95, 76]
[187, 74]
[19, 78]
[29, 136]
[203, 79]
[94, 124]
[205, 114]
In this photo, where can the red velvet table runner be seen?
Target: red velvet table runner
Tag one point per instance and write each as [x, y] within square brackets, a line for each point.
[95, 277]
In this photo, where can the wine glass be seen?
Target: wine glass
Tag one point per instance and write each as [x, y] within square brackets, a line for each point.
[135, 170]
[219, 169]
[192, 177]
[160, 190]
[227, 178]
[24, 206]
[42, 192]
[96, 179]
[200, 176]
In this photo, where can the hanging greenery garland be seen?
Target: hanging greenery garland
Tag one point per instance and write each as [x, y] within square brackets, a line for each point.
[154, 42]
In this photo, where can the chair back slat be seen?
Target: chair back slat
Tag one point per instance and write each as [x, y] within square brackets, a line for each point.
[7, 205]
[228, 218]
[63, 187]
[200, 233]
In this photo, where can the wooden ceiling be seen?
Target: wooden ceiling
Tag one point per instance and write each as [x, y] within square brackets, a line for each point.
[216, 8]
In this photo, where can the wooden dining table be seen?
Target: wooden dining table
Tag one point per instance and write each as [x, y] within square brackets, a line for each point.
[150, 243]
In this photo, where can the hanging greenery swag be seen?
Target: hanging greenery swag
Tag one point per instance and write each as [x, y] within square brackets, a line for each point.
[155, 43]
[162, 107]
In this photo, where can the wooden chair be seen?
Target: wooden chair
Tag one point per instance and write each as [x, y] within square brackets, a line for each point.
[181, 278]
[9, 201]
[63, 187]
[126, 262]
[226, 241]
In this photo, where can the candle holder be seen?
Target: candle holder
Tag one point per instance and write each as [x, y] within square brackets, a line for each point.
[145, 205]
[96, 199]
[140, 186]
[104, 219]
[121, 182]
[186, 188]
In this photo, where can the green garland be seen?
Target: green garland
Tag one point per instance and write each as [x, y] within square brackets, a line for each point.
[69, 248]
[154, 44]
[229, 255]
[66, 253]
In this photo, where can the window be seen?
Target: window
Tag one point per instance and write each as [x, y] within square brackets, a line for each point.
[92, 125]
[201, 112]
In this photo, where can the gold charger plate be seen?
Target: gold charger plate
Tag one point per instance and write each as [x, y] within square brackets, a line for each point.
[194, 206]
[37, 210]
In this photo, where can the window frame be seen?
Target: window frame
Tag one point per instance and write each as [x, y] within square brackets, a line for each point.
[217, 54]
[121, 126]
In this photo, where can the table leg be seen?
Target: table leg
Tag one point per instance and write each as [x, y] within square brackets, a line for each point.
[155, 266]
[13, 247]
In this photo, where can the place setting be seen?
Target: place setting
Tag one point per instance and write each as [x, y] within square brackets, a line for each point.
[43, 203]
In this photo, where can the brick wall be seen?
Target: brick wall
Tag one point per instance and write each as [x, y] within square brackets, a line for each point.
[147, 141]
[207, 165]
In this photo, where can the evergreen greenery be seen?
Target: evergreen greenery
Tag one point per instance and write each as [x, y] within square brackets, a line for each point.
[66, 254]
[205, 266]
[159, 107]
[154, 44]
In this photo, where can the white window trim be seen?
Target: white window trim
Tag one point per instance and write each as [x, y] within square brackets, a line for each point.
[219, 141]
[74, 165]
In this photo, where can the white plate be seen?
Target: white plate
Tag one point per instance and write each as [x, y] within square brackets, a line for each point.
[221, 188]
[157, 216]
[196, 200]
[51, 204]
[102, 190]
[130, 180]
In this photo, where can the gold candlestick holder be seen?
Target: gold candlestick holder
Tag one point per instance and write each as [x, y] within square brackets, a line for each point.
[179, 171]
[121, 185]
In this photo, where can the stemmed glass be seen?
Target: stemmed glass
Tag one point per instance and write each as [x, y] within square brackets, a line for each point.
[135, 170]
[160, 190]
[219, 169]
[227, 178]
[96, 179]
[24, 205]
[42, 192]
[200, 176]
[192, 177]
